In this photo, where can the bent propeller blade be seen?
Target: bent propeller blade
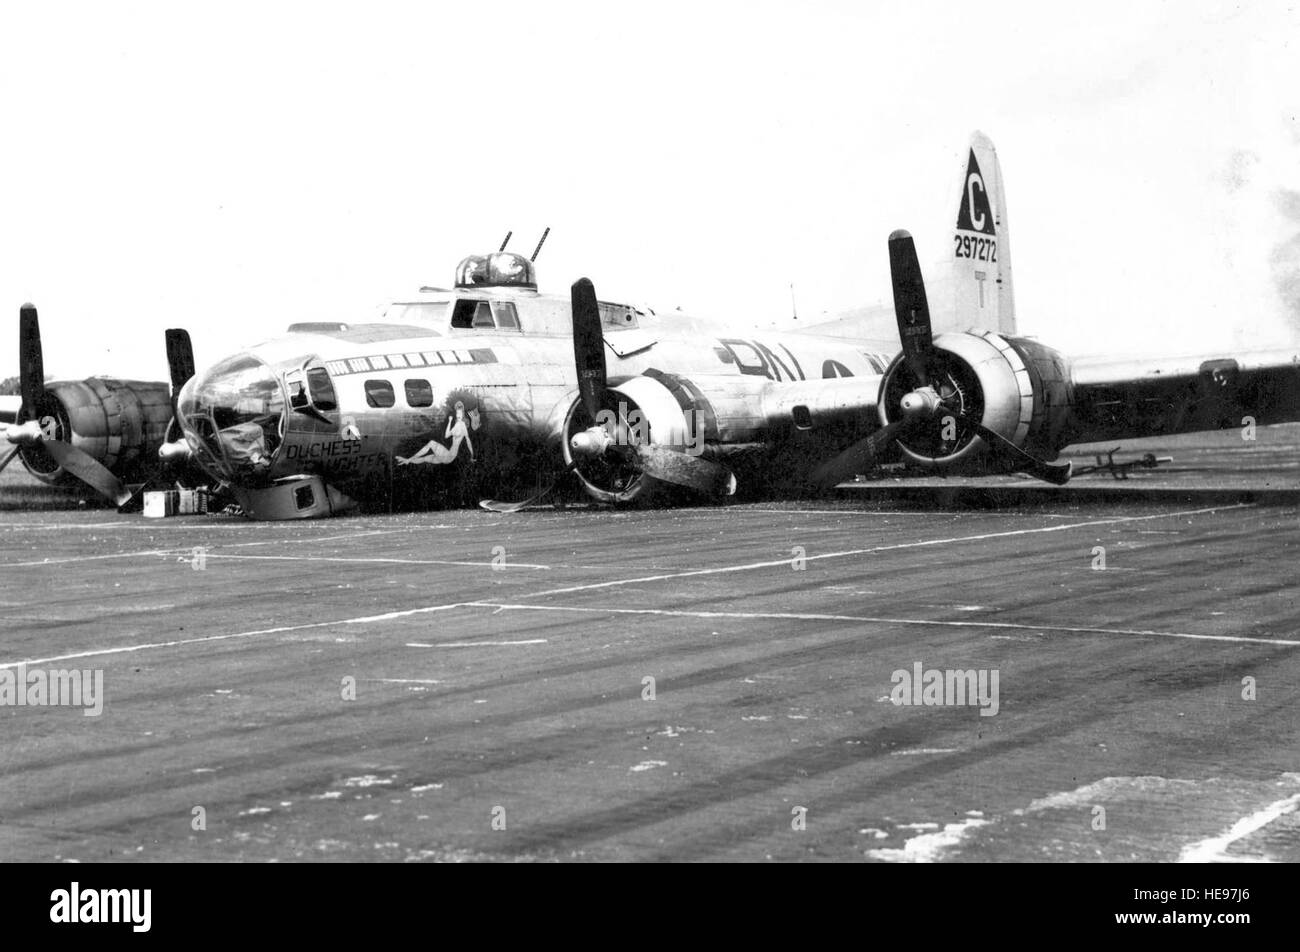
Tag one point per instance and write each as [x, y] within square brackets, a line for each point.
[1058, 474]
[89, 470]
[500, 505]
[683, 469]
[861, 457]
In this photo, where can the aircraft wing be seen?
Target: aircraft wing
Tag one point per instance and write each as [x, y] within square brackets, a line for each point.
[1120, 399]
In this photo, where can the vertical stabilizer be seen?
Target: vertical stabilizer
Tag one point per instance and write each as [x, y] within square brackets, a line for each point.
[980, 246]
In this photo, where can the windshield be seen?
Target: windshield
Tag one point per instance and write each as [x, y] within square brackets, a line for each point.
[233, 417]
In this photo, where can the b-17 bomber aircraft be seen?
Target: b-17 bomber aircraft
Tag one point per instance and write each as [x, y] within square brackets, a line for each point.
[491, 391]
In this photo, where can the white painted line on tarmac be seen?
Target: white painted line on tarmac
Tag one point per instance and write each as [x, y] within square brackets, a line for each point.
[328, 558]
[182, 550]
[230, 636]
[94, 558]
[400, 680]
[773, 563]
[64, 525]
[389, 616]
[931, 513]
[185, 549]
[476, 644]
[861, 512]
[878, 620]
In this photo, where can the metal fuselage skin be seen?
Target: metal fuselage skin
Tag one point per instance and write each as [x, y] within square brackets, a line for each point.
[413, 399]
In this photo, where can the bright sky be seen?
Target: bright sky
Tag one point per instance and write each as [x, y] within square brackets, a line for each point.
[236, 167]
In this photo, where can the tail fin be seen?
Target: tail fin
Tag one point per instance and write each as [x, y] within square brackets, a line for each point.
[980, 253]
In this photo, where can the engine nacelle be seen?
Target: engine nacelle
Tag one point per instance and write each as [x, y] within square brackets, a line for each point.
[1015, 387]
[121, 423]
[656, 408]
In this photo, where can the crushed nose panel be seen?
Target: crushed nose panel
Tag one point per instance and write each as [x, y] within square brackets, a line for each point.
[298, 497]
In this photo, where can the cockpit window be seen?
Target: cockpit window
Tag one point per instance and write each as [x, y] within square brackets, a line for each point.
[470, 313]
[298, 399]
[485, 315]
[322, 391]
[504, 311]
[312, 389]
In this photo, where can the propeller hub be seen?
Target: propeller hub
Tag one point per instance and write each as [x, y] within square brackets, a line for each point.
[25, 434]
[175, 450]
[919, 403]
[591, 442]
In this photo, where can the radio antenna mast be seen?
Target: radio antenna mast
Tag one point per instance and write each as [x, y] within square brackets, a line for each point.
[540, 243]
[793, 307]
[506, 242]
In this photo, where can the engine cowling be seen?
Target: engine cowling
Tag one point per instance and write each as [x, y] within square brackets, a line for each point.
[1016, 387]
[120, 423]
[659, 409]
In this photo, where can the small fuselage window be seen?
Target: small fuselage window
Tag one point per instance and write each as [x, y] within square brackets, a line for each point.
[617, 315]
[419, 393]
[379, 393]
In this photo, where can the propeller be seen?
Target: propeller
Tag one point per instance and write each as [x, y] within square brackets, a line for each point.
[180, 358]
[31, 362]
[89, 470]
[911, 308]
[180, 365]
[35, 400]
[589, 358]
[683, 469]
[1018, 461]
[588, 346]
[658, 462]
[923, 405]
[861, 457]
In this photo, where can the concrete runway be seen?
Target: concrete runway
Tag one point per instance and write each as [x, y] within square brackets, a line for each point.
[502, 707]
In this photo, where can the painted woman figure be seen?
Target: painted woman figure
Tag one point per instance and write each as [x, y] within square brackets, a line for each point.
[436, 453]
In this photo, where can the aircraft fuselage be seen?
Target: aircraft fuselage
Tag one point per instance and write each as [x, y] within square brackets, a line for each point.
[421, 403]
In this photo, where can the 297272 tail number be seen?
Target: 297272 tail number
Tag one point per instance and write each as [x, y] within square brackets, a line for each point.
[981, 249]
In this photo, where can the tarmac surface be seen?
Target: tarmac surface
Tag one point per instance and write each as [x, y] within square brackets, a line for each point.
[698, 684]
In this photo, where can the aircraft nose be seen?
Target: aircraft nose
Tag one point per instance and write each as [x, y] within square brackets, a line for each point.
[233, 417]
